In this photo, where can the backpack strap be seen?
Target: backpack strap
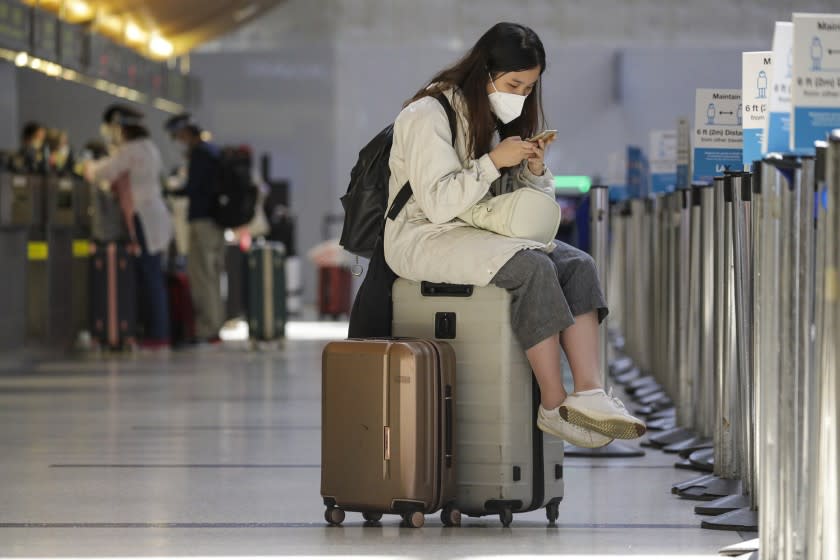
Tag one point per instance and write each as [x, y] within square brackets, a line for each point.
[405, 193]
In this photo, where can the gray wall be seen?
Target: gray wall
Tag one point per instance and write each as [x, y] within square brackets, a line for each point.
[77, 109]
[8, 106]
[281, 103]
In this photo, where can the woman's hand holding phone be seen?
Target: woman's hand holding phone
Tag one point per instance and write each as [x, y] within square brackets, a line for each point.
[536, 163]
[512, 151]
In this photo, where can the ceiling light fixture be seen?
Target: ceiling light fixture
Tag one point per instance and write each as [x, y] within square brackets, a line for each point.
[133, 34]
[22, 59]
[160, 47]
[79, 10]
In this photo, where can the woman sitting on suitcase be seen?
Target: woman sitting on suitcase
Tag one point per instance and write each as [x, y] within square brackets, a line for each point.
[135, 158]
[495, 89]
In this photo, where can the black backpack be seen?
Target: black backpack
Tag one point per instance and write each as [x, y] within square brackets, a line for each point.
[364, 228]
[234, 202]
[367, 195]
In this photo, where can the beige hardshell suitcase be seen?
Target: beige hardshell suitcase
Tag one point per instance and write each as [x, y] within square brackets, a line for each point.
[388, 422]
[506, 464]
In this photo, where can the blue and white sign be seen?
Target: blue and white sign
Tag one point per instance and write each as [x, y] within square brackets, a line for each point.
[816, 79]
[777, 138]
[757, 74]
[636, 173]
[617, 175]
[663, 160]
[718, 135]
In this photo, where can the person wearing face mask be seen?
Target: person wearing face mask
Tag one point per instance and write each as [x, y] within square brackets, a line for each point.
[61, 160]
[32, 155]
[205, 256]
[135, 164]
[495, 90]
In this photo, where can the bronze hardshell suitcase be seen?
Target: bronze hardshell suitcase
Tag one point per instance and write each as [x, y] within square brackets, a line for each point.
[388, 424]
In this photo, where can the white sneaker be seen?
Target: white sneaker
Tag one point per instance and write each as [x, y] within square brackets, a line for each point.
[601, 413]
[552, 423]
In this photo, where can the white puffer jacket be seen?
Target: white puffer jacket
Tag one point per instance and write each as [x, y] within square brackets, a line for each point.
[426, 241]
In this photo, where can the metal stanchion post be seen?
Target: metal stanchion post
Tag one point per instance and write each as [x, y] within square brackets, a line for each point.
[701, 367]
[724, 460]
[681, 282]
[662, 413]
[821, 514]
[767, 349]
[599, 231]
[745, 518]
[824, 514]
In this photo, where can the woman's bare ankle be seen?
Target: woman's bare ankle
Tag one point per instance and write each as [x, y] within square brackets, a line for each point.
[552, 403]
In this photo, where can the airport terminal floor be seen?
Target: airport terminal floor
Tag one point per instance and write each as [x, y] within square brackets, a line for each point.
[215, 451]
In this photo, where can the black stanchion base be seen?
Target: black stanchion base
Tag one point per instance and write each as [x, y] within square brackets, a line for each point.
[648, 390]
[621, 365]
[703, 459]
[747, 547]
[640, 384]
[627, 376]
[718, 489]
[744, 519]
[656, 401]
[690, 446]
[669, 412]
[661, 425]
[703, 481]
[614, 450]
[651, 409]
[687, 465]
[723, 505]
[669, 437]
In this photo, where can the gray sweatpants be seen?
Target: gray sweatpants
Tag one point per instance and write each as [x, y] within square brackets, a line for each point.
[205, 262]
[549, 290]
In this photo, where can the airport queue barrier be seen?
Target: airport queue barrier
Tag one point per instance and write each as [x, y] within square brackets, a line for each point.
[725, 323]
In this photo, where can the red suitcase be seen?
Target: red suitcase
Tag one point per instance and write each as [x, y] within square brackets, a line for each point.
[334, 291]
[113, 296]
[181, 312]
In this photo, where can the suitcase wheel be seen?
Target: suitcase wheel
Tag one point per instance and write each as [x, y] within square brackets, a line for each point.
[334, 516]
[450, 517]
[415, 520]
[552, 512]
[372, 517]
[506, 517]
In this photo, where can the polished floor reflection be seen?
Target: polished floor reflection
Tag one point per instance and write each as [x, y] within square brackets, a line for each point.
[215, 452]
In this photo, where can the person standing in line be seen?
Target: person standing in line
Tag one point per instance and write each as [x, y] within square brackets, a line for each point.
[31, 157]
[136, 159]
[205, 257]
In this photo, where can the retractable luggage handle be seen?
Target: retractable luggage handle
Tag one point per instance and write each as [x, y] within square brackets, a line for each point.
[431, 289]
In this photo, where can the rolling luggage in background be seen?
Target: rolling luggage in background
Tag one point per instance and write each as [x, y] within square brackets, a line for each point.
[236, 267]
[334, 291]
[387, 443]
[181, 312]
[113, 296]
[267, 291]
[506, 465]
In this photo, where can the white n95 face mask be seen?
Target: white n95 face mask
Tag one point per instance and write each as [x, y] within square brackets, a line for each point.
[507, 106]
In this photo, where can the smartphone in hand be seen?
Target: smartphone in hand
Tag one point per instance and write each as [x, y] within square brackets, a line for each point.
[545, 135]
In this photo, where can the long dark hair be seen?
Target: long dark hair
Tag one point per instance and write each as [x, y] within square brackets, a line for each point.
[506, 47]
